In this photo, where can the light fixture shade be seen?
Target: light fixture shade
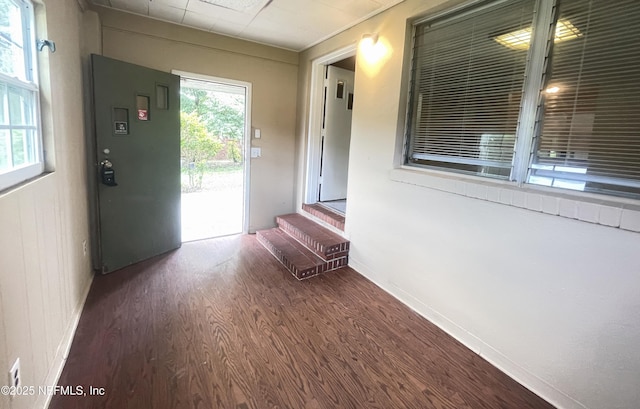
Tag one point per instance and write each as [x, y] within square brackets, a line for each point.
[373, 50]
[371, 39]
[520, 39]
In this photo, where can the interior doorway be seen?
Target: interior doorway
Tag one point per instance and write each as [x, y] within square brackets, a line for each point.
[214, 121]
[332, 98]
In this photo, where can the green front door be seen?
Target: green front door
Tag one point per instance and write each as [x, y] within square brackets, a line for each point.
[137, 129]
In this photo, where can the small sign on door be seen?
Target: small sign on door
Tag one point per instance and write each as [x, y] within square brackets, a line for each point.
[120, 118]
[120, 128]
[142, 105]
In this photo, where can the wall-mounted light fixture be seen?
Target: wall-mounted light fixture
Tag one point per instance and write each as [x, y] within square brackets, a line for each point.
[372, 48]
[369, 40]
[373, 52]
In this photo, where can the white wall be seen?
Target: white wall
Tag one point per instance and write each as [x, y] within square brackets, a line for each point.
[272, 72]
[44, 276]
[553, 301]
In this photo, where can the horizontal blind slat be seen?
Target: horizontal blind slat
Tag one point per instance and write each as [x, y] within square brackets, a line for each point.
[467, 88]
[593, 121]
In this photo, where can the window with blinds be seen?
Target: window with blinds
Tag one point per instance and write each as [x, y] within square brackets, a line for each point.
[466, 89]
[467, 98]
[589, 130]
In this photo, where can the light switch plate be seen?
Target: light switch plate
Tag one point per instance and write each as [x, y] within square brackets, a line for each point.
[256, 152]
[257, 133]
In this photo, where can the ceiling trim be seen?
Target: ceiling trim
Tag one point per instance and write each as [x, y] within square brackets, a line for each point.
[265, 3]
[218, 33]
[242, 6]
[284, 56]
[355, 23]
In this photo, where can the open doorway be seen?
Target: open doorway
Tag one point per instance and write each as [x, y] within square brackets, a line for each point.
[214, 122]
[332, 98]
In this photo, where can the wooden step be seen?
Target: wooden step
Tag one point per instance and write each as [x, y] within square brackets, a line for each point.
[299, 260]
[325, 214]
[321, 241]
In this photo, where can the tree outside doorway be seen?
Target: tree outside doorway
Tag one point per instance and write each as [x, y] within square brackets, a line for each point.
[212, 134]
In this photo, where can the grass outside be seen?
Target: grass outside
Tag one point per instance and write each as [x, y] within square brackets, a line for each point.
[217, 208]
[212, 176]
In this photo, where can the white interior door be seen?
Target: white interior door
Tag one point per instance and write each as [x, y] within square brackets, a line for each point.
[336, 133]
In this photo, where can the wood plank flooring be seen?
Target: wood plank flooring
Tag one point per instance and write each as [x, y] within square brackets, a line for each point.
[221, 324]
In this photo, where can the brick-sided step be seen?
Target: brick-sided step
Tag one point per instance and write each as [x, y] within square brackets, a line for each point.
[325, 214]
[298, 259]
[323, 242]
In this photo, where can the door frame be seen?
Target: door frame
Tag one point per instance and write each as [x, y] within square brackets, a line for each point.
[316, 107]
[247, 134]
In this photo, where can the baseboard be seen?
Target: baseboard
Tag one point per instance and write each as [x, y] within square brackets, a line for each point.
[62, 352]
[475, 344]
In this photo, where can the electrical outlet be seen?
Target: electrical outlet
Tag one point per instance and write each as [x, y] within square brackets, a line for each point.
[84, 247]
[15, 374]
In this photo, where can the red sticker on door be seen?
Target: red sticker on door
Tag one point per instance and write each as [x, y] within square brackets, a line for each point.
[143, 115]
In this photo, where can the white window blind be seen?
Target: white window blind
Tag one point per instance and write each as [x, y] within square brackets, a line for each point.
[589, 130]
[466, 89]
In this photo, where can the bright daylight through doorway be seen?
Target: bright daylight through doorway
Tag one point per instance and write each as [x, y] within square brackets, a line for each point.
[212, 133]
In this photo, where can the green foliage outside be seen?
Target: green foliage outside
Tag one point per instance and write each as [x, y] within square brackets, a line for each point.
[234, 150]
[6, 42]
[197, 147]
[223, 116]
[212, 133]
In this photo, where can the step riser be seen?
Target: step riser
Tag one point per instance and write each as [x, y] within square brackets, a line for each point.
[302, 274]
[299, 274]
[325, 252]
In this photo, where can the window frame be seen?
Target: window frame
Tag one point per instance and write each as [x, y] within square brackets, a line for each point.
[19, 174]
[531, 107]
[442, 18]
[534, 170]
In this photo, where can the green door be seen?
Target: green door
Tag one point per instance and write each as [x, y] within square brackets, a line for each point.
[137, 130]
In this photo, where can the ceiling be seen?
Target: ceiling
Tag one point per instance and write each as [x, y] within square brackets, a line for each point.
[290, 24]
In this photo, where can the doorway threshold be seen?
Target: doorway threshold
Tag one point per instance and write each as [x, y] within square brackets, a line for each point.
[339, 206]
[326, 214]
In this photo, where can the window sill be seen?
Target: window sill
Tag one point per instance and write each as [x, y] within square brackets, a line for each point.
[608, 211]
[24, 184]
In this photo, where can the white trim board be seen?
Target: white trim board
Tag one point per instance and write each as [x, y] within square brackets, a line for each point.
[62, 353]
[316, 102]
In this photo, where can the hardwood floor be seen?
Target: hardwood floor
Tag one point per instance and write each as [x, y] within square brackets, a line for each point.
[221, 324]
